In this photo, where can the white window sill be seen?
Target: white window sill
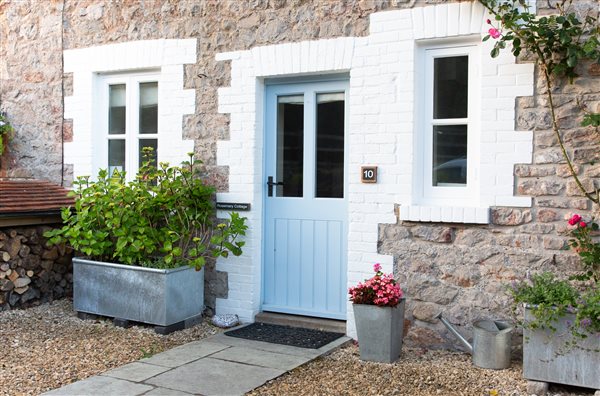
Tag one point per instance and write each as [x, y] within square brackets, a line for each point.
[446, 214]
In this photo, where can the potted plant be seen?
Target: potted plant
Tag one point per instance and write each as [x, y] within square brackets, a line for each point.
[145, 243]
[379, 315]
[561, 325]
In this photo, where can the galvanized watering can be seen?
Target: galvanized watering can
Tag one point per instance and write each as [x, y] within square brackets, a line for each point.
[491, 342]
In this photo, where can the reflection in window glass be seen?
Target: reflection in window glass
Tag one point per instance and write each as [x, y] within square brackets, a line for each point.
[449, 155]
[116, 110]
[116, 155]
[148, 107]
[153, 144]
[450, 87]
[330, 146]
[290, 145]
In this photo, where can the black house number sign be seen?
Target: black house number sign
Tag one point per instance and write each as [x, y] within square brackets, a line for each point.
[368, 174]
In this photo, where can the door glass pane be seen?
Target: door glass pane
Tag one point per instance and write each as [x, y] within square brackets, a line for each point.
[116, 155]
[149, 107]
[290, 145]
[449, 155]
[153, 144]
[330, 146]
[116, 109]
[450, 87]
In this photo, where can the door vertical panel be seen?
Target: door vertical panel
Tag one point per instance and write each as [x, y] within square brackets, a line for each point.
[320, 284]
[294, 258]
[279, 270]
[334, 257]
[308, 265]
[268, 265]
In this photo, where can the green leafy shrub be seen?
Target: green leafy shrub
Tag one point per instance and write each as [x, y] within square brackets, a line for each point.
[165, 218]
[5, 130]
[548, 298]
[588, 313]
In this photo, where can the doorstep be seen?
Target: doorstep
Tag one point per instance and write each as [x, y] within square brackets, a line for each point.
[202, 367]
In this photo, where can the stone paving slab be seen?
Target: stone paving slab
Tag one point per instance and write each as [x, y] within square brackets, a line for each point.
[185, 353]
[261, 358]
[219, 365]
[333, 345]
[102, 386]
[210, 376]
[136, 371]
[166, 392]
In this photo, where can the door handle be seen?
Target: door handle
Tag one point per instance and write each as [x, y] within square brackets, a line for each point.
[271, 183]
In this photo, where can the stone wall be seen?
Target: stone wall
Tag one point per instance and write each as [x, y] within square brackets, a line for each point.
[30, 271]
[31, 87]
[458, 269]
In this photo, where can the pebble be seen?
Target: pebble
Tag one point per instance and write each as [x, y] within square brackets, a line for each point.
[416, 373]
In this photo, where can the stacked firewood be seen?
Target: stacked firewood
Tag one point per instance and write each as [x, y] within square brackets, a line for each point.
[31, 271]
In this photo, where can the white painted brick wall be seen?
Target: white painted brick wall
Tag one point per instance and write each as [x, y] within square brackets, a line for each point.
[380, 131]
[167, 55]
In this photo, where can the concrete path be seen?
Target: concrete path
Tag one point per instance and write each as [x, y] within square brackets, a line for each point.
[218, 365]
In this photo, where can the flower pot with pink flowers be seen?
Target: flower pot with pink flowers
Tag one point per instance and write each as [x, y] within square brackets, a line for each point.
[378, 306]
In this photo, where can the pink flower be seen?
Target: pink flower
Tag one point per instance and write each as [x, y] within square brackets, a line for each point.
[381, 290]
[574, 220]
[582, 224]
[495, 33]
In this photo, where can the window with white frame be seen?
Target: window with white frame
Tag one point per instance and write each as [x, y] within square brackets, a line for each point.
[129, 118]
[449, 138]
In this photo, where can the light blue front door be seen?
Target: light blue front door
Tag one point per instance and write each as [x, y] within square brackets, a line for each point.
[305, 206]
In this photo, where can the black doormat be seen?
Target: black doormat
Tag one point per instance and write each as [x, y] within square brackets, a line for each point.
[285, 335]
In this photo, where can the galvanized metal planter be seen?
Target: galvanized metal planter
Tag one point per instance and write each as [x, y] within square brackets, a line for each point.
[380, 331]
[149, 295]
[545, 357]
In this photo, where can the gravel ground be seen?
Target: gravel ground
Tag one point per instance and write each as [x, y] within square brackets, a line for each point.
[417, 373]
[47, 347]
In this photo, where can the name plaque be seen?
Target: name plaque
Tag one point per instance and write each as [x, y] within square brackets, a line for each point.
[242, 207]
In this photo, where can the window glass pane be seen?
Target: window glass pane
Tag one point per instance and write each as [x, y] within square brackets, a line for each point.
[449, 155]
[116, 155]
[116, 109]
[450, 87]
[290, 145]
[149, 107]
[152, 143]
[330, 146]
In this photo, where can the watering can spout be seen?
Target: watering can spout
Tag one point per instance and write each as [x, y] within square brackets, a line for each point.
[462, 339]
